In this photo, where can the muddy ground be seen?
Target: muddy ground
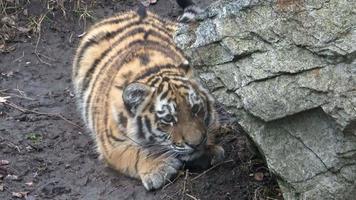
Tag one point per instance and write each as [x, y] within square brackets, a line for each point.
[50, 157]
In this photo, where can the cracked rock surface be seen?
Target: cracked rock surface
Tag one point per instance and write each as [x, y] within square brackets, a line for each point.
[287, 70]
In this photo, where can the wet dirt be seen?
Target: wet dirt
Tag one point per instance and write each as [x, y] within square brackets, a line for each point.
[53, 159]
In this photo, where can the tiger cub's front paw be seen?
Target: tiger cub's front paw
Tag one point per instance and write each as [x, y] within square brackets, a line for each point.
[159, 175]
[217, 154]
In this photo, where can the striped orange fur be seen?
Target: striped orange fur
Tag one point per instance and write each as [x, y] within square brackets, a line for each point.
[139, 98]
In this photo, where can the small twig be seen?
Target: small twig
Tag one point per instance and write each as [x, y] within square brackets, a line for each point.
[185, 182]
[19, 96]
[81, 35]
[271, 198]
[12, 145]
[23, 55]
[39, 24]
[70, 38]
[171, 182]
[25, 110]
[211, 168]
[191, 196]
[16, 95]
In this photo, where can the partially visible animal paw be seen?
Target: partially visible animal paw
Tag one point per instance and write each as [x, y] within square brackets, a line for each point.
[161, 174]
[217, 153]
[190, 14]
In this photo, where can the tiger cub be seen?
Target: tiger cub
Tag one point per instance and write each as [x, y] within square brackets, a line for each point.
[139, 98]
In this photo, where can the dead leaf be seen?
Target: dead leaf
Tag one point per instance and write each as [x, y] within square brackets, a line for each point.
[6, 49]
[9, 20]
[12, 177]
[4, 162]
[19, 194]
[4, 99]
[23, 29]
[258, 176]
[29, 183]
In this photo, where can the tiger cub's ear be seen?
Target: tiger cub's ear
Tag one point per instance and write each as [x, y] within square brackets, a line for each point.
[133, 95]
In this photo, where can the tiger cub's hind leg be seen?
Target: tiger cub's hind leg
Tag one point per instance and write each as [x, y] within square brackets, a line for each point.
[154, 172]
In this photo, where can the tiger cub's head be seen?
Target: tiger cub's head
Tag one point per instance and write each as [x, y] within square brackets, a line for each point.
[174, 116]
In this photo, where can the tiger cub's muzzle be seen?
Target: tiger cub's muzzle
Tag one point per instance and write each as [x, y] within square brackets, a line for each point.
[189, 148]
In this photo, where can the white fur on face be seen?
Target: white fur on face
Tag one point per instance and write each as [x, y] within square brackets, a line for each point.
[193, 98]
[163, 108]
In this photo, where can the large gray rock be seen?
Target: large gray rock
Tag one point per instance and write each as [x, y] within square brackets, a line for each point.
[287, 70]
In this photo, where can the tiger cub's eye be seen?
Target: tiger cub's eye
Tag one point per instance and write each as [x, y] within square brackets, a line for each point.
[168, 119]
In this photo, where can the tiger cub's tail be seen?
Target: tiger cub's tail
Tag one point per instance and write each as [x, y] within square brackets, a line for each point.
[191, 10]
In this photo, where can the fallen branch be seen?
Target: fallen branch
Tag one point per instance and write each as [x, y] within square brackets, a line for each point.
[25, 110]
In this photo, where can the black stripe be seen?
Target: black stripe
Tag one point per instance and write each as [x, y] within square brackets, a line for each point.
[113, 137]
[147, 105]
[122, 119]
[158, 77]
[144, 59]
[160, 88]
[152, 70]
[126, 148]
[168, 74]
[182, 86]
[99, 38]
[158, 33]
[178, 79]
[109, 35]
[207, 120]
[164, 95]
[137, 159]
[140, 133]
[115, 20]
[89, 73]
[152, 108]
[155, 81]
[155, 46]
[156, 120]
[160, 27]
[102, 143]
[148, 124]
